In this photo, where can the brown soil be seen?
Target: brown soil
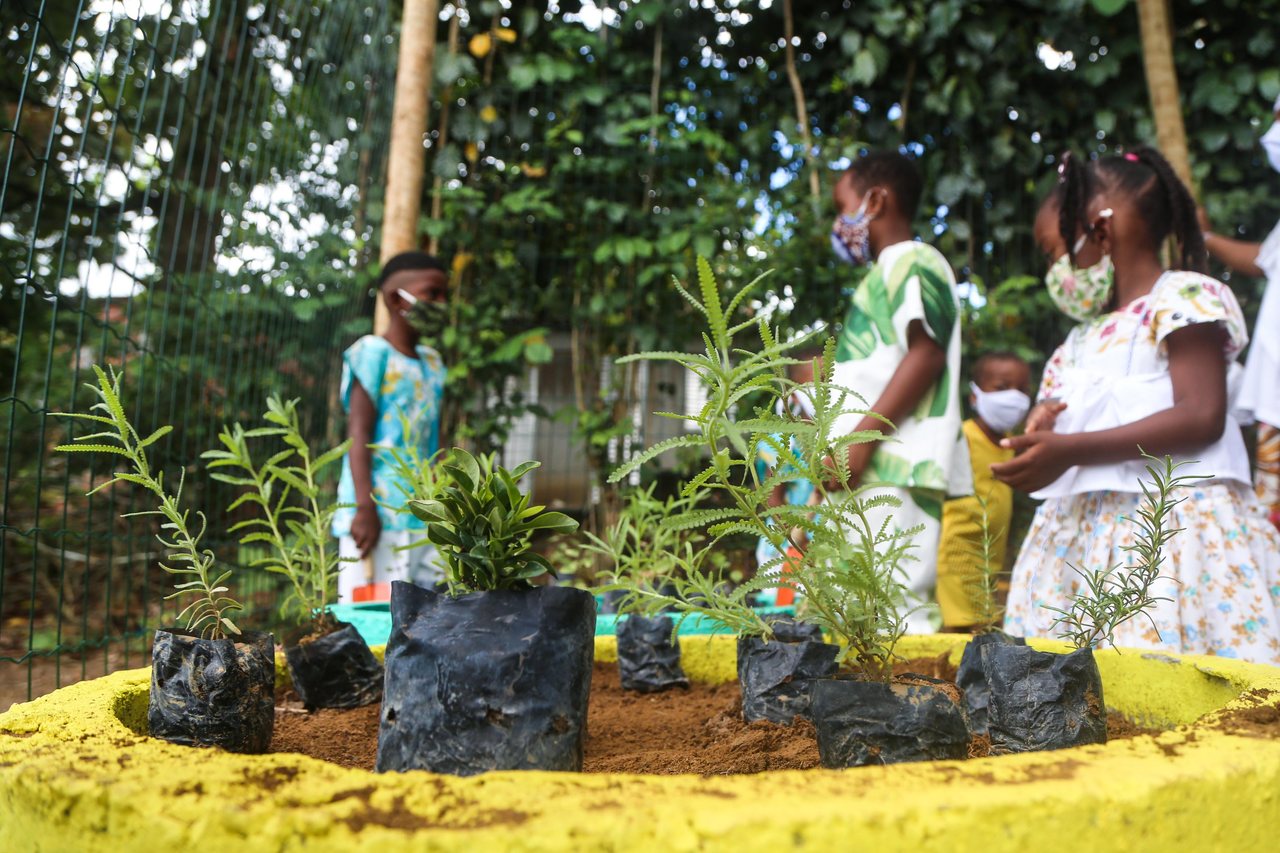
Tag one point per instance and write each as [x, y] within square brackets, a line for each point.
[699, 730]
[347, 737]
[1120, 727]
[695, 730]
[939, 667]
[1260, 717]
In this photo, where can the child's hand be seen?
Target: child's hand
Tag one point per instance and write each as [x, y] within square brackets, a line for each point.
[1044, 416]
[366, 528]
[1042, 458]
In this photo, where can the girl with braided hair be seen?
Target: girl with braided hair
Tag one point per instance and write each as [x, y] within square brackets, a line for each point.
[1146, 369]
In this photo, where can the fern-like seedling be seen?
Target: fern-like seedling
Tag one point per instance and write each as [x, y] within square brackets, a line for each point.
[849, 569]
[292, 517]
[1114, 595]
[208, 611]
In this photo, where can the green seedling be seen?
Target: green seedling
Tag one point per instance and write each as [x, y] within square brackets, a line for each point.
[483, 525]
[848, 573]
[1112, 596]
[209, 608]
[292, 518]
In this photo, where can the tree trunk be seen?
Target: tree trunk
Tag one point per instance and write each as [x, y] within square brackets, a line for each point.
[408, 128]
[802, 112]
[1156, 25]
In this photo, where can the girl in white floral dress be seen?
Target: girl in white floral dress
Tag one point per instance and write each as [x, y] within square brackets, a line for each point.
[1146, 368]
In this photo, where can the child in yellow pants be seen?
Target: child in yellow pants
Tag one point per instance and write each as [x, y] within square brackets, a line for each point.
[1000, 400]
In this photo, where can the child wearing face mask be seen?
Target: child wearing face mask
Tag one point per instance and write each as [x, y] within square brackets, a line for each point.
[392, 386]
[899, 349]
[999, 398]
[1259, 401]
[1145, 370]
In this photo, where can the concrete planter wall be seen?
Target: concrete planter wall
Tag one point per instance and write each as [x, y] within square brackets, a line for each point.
[77, 772]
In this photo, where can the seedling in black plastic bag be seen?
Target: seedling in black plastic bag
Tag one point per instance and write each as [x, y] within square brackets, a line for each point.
[483, 525]
[292, 517]
[848, 571]
[208, 612]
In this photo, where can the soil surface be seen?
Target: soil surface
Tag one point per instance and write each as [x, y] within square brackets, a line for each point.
[695, 730]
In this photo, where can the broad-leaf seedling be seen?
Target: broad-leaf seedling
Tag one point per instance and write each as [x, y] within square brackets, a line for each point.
[483, 525]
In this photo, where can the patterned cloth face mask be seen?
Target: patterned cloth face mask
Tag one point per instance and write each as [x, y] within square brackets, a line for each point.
[851, 236]
[1081, 294]
[429, 319]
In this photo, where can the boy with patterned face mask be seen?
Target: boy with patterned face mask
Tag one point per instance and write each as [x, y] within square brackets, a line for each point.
[1000, 397]
[899, 349]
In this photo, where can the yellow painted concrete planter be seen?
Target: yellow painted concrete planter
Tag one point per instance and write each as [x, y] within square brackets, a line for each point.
[77, 773]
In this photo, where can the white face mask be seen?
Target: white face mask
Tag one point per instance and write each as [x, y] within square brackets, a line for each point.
[1002, 410]
[1271, 144]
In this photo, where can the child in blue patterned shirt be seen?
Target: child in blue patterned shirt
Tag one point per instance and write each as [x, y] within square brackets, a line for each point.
[392, 386]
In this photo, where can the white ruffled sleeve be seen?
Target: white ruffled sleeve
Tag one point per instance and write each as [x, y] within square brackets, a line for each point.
[1183, 299]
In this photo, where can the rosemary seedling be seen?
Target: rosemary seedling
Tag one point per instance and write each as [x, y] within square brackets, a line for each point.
[1114, 595]
[292, 518]
[849, 570]
[643, 550]
[208, 612]
[982, 589]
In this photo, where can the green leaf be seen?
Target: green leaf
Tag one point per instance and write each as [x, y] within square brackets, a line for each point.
[658, 449]
[464, 462]
[330, 456]
[231, 480]
[1109, 7]
[90, 448]
[155, 436]
[556, 522]
[429, 510]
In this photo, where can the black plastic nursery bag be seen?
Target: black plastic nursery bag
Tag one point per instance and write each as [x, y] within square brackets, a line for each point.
[775, 676]
[336, 670]
[790, 630]
[213, 692]
[873, 722]
[973, 681]
[486, 681]
[647, 659]
[1042, 700]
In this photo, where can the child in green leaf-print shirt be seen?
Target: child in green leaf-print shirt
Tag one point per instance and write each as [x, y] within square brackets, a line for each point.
[899, 349]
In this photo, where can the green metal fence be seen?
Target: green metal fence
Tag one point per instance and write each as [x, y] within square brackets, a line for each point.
[186, 191]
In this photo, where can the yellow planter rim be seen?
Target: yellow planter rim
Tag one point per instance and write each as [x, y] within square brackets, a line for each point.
[76, 774]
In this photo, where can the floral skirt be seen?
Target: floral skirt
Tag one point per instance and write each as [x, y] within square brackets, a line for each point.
[1220, 578]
